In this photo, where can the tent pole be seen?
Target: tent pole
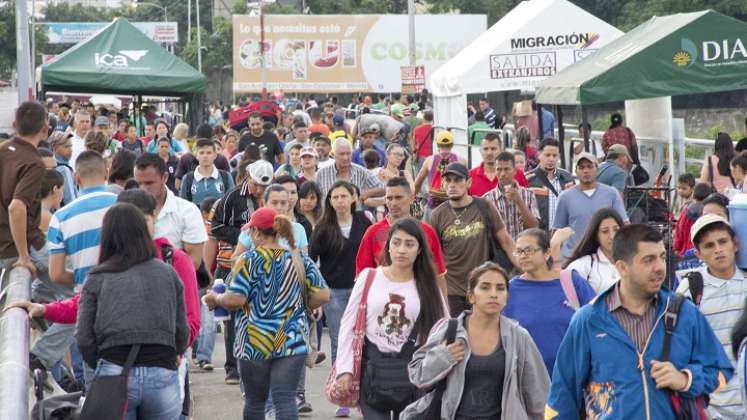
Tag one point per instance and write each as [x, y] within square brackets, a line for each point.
[585, 122]
[561, 135]
[540, 128]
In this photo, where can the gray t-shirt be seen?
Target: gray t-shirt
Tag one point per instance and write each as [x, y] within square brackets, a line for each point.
[483, 386]
[575, 209]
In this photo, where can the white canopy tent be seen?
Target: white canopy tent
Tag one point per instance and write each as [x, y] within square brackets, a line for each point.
[535, 40]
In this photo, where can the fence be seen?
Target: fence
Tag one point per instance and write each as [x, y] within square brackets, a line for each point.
[14, 345]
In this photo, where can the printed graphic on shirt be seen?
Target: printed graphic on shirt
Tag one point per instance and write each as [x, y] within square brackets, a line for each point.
[464, 231]
[393, 321]
[599, 399]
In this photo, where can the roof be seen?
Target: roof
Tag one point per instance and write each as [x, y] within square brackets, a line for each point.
[120, 59]
[517, 37]
[686, 53]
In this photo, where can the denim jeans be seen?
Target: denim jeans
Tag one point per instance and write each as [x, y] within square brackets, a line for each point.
[338, 301]
[279, 376]
[206, 339]
[152, 392]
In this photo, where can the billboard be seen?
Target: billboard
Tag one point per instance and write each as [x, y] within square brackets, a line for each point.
[343, 53]
[75, 32]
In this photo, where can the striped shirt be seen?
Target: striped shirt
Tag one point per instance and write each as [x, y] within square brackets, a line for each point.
[552, 200]
[638, 327]
[75, 230]
[359, 176]
[722, 304]
[509, 210]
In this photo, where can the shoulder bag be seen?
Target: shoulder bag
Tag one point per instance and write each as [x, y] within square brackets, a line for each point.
[107, 396]
[359, 333]
[433, 411]
[495, 251]
[685, 408]
[309, 334]
[385, 384]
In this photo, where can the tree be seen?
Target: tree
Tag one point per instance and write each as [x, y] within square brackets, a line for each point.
[8, 35]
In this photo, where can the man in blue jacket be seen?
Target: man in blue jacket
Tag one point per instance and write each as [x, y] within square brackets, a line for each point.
[609, 361]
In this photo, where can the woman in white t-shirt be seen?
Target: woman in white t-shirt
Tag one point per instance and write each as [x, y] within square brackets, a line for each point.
[592, 257]
[403, 304]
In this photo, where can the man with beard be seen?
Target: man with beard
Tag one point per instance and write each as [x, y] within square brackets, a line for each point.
[547, 181]
[462, 224]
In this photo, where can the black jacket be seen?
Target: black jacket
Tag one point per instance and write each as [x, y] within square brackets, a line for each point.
[543, 201]
[232, 212]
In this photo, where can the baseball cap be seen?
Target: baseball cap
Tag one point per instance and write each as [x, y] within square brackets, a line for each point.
[703, 221]
[261, 172]
[308, 151]
[445, 138]
[617, 150]
[102, 121]
[373, 128]
[263, 218]
[458, 169]
[58, 137]
[397, 110]
[586, 156]
[338, 119]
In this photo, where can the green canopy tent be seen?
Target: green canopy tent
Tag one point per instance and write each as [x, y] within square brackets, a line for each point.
[120, 59]
[686, 53]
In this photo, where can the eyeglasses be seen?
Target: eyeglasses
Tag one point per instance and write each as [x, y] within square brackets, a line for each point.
[520, 252]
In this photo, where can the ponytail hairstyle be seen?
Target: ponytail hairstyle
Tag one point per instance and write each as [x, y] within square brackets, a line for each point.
[282, 227]
[543, 242]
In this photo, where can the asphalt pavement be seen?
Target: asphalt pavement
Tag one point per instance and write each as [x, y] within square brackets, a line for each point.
[213, 399]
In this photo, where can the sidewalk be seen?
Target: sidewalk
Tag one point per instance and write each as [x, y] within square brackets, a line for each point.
[213, 399]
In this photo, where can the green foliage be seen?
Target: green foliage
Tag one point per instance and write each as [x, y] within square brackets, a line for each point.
[8, 36]
[217, 48]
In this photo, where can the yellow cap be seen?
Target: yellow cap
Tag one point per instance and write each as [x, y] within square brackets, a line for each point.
[445, 138]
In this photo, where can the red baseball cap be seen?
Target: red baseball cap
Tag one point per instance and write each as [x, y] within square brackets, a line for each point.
[263, 218]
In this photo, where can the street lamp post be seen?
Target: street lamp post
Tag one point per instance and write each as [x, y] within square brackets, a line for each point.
[263, 65]
[157, 6]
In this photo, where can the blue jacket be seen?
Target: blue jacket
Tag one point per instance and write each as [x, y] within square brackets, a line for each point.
[599, 366]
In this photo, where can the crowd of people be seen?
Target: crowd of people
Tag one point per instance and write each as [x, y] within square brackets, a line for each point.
[513, 289]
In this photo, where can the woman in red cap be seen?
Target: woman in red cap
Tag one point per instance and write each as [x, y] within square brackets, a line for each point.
[271, 288]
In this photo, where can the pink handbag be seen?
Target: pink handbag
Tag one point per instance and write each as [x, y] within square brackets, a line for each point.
[359, 333]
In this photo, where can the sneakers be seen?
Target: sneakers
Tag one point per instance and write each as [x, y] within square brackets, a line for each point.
[342, 412]
[320, 357]
[232, 377]
[303, 406]
[205, 365]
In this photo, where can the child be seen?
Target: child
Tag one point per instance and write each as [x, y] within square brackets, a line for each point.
[688, 216]
[685, 185]
[131, 142]
[206, 181]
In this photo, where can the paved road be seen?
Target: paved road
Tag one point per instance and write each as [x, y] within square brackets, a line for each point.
[213, 399]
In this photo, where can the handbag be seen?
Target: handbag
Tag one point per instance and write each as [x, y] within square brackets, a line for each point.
[640, 175]
[433, 411]
[495, 250]
[685, 408]
[331, 392]
[107, 396]
[385, 384]
[312, 350]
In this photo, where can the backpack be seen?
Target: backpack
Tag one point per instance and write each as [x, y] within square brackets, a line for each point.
[436, 190]
[569, 290]
[189, 179]
[695, 285]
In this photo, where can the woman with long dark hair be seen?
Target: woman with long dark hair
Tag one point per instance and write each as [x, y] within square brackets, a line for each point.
[403, 304]
[272, 295]
[538, 302]
[133, 304]
[493, 367]
[334, 244]
[310, 202]
[592, 257]
[619, 134]
[716, 171]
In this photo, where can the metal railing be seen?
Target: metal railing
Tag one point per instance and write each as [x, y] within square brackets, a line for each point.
[14, 345]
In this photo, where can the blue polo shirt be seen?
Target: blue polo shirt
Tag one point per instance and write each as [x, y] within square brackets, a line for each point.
[75, 230]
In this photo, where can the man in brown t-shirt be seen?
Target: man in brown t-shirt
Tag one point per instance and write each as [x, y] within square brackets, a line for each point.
[21, 171]
[461, 226]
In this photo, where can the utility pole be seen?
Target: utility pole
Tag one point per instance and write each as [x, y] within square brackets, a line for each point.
[199, 38]
[23, 58]
[189, 21]
[411, 27]
[262, 50]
